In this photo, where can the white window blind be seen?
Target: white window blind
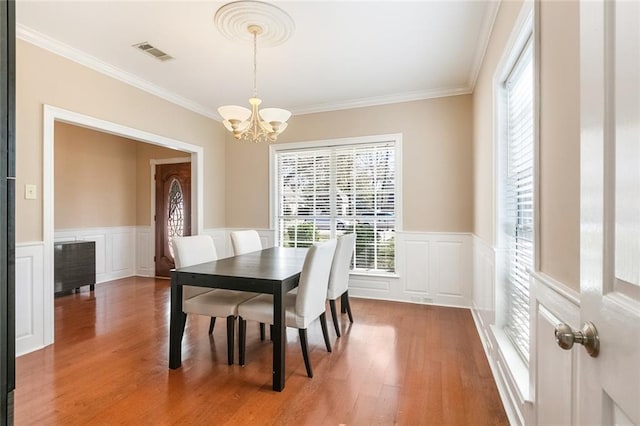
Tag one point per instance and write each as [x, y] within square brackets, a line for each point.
[322, 193]
[518, 217]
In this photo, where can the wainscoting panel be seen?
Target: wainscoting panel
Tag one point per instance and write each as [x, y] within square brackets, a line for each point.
[431, 268]
[360, 282]
[116, 249]
[416, 266]
[421, 277]
[222, 241]
[450, 267]
[500, 354]
[555, 369]
[123, 253]
[145, 267]
[29, 288]
[101, 252]
[545, 391]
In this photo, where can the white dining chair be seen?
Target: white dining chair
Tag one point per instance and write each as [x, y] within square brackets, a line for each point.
[301, 308]
[246, 242]
[196, 249]
[339, 278]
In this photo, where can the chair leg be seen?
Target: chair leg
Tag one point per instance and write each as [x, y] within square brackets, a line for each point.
[334, 316]
[261, 331]
[212, 323]
[343, 303]
[305, 351]
[231, 326]
[346, 299]
[242, 339]
[325, 333]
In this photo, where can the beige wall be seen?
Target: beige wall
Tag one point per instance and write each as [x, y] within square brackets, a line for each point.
[437, 161]
[95, 179]
[102, 180]
[144, 153]
[559, 137]
[483, 123]
[560, 141]
[45, 78]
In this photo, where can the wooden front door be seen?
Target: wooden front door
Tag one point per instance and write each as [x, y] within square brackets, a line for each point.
[173, 211]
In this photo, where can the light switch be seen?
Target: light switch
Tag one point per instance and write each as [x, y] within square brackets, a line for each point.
[29, 192]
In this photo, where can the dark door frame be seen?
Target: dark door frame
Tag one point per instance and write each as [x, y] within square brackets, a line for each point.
[7, 210]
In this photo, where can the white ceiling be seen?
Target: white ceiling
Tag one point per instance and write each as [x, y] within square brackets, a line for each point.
[342, 53]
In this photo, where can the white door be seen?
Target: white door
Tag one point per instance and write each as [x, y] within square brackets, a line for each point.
[609, 384]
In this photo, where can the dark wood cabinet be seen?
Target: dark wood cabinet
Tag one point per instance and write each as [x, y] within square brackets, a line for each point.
[74, 265]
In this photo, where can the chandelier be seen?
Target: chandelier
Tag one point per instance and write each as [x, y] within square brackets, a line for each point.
[253, 124]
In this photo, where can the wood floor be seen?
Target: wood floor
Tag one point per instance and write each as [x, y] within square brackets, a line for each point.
[397, 364]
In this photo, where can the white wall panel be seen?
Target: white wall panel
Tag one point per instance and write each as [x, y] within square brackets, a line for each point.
[495, 343]
[221, 240]
[416, 266]
[360, 282]
[145, 266]
[29, 289]
[554, 369]
[449, 264]
[101, 252]
[115, 249]
[554, 392]
[545, 392]
[122, 252]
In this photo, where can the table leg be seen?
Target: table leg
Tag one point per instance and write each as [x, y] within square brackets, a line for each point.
[176, 323]
[279, 339]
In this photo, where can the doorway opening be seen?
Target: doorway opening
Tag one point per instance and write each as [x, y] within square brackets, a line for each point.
[53, 115]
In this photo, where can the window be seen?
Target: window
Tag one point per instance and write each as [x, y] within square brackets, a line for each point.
[175, 215]
[516, 215]
[325, 191]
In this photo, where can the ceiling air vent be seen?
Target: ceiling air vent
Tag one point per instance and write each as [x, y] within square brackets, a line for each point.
[153, 51]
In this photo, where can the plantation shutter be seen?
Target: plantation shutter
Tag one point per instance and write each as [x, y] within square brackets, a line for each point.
[335, 190]
[519, 199]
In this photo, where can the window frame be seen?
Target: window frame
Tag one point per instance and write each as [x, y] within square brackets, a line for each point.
[526, 29]
[395, 139]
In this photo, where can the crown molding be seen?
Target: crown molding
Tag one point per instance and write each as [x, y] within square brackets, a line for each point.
[54, 46]
[382, 100]
[483, 42]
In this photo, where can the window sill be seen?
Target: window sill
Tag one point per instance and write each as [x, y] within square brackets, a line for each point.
[516, 368]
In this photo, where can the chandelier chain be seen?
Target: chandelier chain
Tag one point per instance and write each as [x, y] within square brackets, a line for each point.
[255, 64]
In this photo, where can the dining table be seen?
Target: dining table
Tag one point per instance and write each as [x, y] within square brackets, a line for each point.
[274, 271]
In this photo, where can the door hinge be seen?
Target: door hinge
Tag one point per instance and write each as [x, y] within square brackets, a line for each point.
[154, 258]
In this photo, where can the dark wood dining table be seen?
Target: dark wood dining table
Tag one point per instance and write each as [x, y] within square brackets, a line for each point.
[273, 271]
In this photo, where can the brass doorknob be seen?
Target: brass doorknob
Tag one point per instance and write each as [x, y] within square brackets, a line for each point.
[588, 337]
